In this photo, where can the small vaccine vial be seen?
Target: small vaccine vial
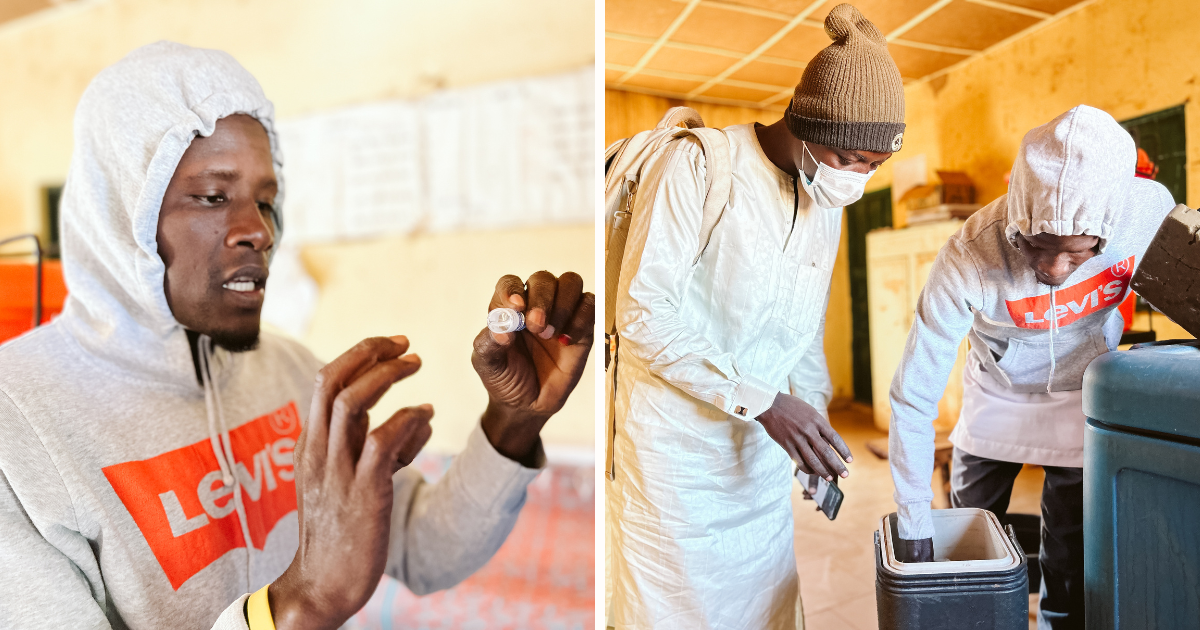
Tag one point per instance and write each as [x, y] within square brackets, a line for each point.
[505, 320]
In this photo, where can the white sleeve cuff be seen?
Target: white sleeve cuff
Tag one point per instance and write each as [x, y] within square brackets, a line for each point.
[751, 398]
[914, 521]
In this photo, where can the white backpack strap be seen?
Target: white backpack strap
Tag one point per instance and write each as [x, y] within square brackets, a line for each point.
[676, 116]
[718, 179]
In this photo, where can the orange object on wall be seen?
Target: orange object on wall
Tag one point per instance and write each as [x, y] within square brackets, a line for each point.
[1146, 168]
[17, 281]
[1126, 309]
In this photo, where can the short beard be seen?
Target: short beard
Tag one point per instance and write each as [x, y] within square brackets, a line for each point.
[235, 342]
[231, 342]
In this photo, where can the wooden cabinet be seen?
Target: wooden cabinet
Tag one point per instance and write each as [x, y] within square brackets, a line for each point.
[898, 264]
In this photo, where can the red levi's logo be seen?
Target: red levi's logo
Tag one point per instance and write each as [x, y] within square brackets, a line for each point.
[1076, 301]
[188, 516]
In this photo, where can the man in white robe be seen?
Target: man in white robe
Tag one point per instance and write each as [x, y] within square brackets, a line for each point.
[722, 382]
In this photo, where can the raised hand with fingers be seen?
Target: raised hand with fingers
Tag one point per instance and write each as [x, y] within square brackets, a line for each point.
[344, 485]
[530, 373]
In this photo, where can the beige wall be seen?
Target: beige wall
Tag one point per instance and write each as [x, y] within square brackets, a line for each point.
[310, 56]
[627, 113]
[1127, 57]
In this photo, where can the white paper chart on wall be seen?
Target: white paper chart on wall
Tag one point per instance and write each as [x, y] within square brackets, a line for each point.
[503, 155]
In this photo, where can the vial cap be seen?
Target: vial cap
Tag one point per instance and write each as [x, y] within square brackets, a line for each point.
[505, 320]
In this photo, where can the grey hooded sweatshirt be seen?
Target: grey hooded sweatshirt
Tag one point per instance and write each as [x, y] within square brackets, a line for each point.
[1073, 176]
[113, 508]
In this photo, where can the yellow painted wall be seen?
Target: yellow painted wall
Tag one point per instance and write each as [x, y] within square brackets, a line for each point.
[1127, 57]
[627, 113]
[311, 56]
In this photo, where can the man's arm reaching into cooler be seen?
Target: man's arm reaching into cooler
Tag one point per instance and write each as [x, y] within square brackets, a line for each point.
[943, 318]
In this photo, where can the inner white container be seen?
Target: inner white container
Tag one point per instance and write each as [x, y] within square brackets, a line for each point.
[965, 540]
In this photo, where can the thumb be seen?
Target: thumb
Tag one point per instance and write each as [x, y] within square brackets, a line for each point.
[489, 356]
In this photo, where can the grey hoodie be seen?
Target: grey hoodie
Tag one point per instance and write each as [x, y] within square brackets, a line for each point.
[1073, 176]
[112, 507]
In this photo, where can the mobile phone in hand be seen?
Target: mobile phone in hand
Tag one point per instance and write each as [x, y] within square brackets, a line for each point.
[827, 495]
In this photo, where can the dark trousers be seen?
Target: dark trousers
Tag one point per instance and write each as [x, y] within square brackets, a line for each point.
[978, 482]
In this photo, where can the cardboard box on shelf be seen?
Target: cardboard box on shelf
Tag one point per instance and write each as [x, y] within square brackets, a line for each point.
[952, 198]
[957, 187]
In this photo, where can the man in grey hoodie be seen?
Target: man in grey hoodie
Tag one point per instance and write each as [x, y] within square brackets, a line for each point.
[1033, 281]
[154, 471]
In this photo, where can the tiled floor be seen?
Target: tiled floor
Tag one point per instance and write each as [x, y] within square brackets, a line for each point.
[836, 559]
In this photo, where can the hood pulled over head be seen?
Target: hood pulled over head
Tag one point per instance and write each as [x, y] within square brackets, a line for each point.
[132, 126]
[1072, 177]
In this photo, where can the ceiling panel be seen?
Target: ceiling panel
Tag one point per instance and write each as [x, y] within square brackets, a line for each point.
[888, 15]
[915, 63]
[662, 84]
[739, 93]
[769, 73]
[1045, 6]
[800, 44]
[962, 24]
[725, 28]
[623, 53]
[649, 18]
[690, 62]
[720, 35]
[790, 7]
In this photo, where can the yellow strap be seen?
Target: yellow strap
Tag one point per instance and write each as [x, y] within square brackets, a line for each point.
[258, 611]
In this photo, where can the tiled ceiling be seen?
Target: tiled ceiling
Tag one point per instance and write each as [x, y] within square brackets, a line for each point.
[752, 52]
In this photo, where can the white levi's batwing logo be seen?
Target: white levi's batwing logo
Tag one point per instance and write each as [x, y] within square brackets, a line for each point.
[1075, 302]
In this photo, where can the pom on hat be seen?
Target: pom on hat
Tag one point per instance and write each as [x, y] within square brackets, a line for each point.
[851, 95]
[844, 19]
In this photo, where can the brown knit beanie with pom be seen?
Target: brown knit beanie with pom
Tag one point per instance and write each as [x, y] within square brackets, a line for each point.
[851, 95]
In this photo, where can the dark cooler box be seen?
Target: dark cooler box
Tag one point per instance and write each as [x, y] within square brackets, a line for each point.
[977, 580]
[1141, 488]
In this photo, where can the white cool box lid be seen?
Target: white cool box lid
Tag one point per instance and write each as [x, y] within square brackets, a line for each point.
[965, 540]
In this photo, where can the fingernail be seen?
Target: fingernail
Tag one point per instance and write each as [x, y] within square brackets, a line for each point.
[516, 301]
[829, 478]
[536, 317]
[845, 473]
[547, 333]
[426, 407]
[849, 459]
[564, 340]
[411, 358]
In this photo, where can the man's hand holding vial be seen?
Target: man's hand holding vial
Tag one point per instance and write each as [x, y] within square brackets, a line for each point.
[530, 370]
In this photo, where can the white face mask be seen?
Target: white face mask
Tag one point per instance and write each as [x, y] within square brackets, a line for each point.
[832, 188]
